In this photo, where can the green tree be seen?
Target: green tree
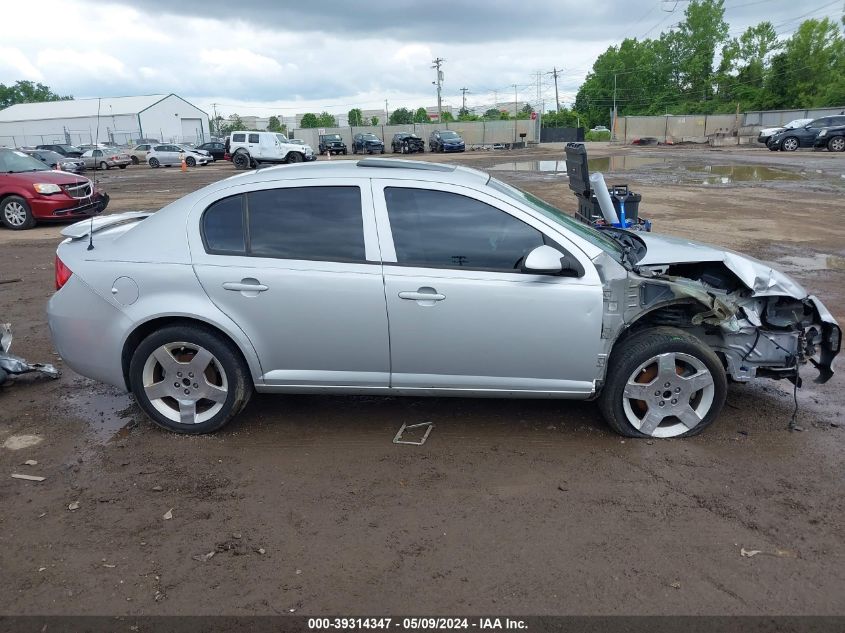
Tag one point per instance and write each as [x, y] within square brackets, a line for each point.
[27, 92]
[326, 120]
[493, 114]
[355, 117]
[374, 120]
[309, 120]
[421, 116]
[702, 31]
[465, 115]
[401, 116]
[274, 125]
[447, 117]
[233, 123]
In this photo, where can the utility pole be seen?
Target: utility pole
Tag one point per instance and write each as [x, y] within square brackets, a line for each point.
[437, 62]
[386, 113]
[496, 99]
[557, 98]
[515, 102]
[216, 122]
[464, 92]
[613, 121]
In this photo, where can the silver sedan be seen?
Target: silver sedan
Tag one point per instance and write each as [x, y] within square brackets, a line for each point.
[285, 280]
[105, 159]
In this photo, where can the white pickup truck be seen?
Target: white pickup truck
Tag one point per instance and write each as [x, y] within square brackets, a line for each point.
[249, 149]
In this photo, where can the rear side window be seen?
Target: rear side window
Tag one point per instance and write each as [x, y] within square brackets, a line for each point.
[318, 223]
[837, 120]
[253, 138]
[820, 123]
[223, 226]
[238, 138]
[446, 230]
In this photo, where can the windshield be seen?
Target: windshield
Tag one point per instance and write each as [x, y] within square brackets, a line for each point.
[14, 162]
[370, 137]
[449, 135]
[593, 236]
[797, 123]
[332, 137]
[70, 148]
[282, 138]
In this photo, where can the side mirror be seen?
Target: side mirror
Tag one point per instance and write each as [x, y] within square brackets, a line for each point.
[546, 260]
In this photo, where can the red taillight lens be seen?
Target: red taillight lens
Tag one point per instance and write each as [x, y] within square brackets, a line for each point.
[63, 273]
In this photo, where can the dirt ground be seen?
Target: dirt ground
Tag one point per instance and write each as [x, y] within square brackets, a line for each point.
[518, 507]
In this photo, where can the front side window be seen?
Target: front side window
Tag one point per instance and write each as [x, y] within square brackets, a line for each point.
[446, 230]
[253, 138]
[238, 138]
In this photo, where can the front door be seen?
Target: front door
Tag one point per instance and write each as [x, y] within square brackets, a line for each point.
[461, 314]
[297, 268]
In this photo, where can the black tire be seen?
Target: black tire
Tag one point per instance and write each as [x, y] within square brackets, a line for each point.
[836, 144]
[122, 166]
[15, 214]
[790, 144]
[154, 163]
[295, 157]
[772, 148]
[135, 160]
[354, 150]
[239, 384]
[343, 152]
[104, 165]
[241, 160]
[631, 353]
[191, 161]
[382, 150]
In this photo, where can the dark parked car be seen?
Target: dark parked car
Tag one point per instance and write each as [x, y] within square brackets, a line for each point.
[833, 138]
[71, 151]
[31, 192]
[332, 143]
[54, 160]
[367, 143]
[216, 149]
[407, 143]
[446, 141]
[790, 140]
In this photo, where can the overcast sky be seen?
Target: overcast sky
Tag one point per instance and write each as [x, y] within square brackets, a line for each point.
[261, 57]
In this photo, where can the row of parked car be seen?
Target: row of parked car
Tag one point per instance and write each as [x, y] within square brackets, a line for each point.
[826, 132]
[402, 143]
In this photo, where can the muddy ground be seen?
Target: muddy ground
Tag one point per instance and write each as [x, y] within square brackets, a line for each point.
[520, 507]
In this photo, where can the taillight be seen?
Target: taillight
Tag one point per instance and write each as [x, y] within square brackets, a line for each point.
[63, 273]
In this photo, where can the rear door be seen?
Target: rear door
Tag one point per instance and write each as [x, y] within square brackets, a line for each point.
[296, 265]
[462, 315]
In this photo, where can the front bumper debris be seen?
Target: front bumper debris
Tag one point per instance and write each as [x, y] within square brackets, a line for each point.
[11, 364]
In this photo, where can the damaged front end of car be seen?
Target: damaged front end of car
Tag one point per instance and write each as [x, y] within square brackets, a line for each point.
[14, 365]
[756, 319]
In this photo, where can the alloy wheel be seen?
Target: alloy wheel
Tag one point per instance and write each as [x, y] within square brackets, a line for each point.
[185, 382]
[790, 144]
[15, 213]
[668, 395]
[837, 144]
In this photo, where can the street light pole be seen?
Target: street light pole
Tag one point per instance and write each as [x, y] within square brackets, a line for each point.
[437, 62]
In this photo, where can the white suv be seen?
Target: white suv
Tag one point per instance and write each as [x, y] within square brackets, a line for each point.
[248, 149]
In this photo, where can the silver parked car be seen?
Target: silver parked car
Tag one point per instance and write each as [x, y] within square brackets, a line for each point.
[286, 279]
[105, 158]
[172, 154]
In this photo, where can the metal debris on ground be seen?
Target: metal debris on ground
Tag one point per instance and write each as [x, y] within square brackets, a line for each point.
[30, 462]
[28, 477]
[408, 427]
[11, 364]
[168, 515]
[204, 557]
[73, 506]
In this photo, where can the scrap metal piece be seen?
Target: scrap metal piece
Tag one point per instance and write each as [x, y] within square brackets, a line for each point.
[11, 364]
[405, 427]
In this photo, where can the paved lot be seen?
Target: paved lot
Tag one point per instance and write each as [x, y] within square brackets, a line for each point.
[522, 507]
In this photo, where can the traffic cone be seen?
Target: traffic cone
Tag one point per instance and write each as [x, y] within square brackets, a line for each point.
[184, 164]
[328, 154]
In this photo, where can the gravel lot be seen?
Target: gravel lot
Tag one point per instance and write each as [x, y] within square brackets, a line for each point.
[518, 507]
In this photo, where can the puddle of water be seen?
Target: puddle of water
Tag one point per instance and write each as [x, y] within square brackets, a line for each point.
[606, 164]
[728, 174]
[111, 415]
[819, 261]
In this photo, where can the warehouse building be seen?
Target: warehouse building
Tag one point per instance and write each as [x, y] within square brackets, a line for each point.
[167, 118]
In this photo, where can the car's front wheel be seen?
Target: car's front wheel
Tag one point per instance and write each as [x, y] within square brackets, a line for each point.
[16, 214]
[790, 144]
[104, 165]
[662, 382]
[191, 161]
[836, 144]
[189, 379]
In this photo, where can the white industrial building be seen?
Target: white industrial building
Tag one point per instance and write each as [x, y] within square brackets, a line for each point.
[167, 118]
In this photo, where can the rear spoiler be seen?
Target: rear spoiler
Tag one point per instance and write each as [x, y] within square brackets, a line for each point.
[78, 230]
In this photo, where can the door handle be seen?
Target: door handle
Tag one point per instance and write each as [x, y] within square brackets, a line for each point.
[245, 285]
[419, 295]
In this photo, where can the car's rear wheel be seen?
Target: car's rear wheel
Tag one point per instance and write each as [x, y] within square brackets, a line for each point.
[154, 163]
[662, 382]
[135, 160]
[191, 161]
[241, 160]
[189, 379]
[836, 144]
[122, 166]
[790, 144]
[16, 214]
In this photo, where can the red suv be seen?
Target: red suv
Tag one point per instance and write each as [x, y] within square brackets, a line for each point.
[31, 192]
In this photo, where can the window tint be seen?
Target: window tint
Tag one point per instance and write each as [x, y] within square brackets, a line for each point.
[441, 229]
[238, 138]
[322, 223]
[837, 120]
[223, 226]
[820, 123]
[253, 138]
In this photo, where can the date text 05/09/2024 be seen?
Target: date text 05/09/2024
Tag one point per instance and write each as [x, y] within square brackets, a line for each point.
[417, 624]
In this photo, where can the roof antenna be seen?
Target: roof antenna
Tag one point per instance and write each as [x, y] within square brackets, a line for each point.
[94, 185]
